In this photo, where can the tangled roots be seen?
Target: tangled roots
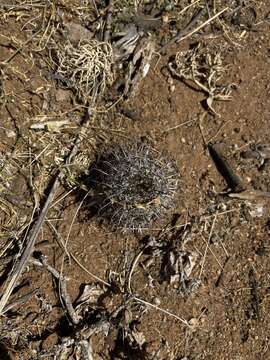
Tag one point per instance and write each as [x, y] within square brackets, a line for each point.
[85, 66]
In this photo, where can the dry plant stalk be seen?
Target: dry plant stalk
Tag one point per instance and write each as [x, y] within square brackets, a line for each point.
[38, 223]
[86, 66]
[205, 70]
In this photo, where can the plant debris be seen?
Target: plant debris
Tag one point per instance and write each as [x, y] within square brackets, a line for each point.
[205, 70]
[86, 67]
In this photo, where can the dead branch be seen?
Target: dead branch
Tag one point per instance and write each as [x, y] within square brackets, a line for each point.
[234, 182]
[32, 236]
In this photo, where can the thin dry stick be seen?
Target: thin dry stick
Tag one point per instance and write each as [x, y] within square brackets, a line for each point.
[20, 301]
[224, 249]
[207, 245]
[64, 295]
[30, 245]
[68, 235]
[63, 197]
[89, 272]
[59, 238]
[17, 51]
[61, 242]
[133, 268]
[212, 252]
[219, 131]
[162, 310]
[201, 118]
[21, 7]
[71, 225]
[219, 213]
[183, 32]
[179, 125]
[31, 238]
[203, 25]
[188, 6]
[108, 25]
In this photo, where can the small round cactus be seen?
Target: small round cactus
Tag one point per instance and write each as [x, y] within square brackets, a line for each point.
[133, 185]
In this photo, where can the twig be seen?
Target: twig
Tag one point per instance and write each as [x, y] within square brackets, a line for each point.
[89, 272]
[162, 310]
[17, 51]
[219, 213]
[212, 252]
[108, 24]
[201, 118]
[19, 7]
[179, 125]
[233, 181]
[21, 300]
[71, 225]
[31, 238]
[251, 195]
[59, 239]
[133, 268]
[63, 291]
[208, 245]
[30, 244]
[62, 244]
[220, 276]
[188, 6]
[182, 33]
[203, 25]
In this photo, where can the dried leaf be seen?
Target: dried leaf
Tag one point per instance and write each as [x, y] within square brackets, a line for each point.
[90, 294]
[138, 337]
[51, 126]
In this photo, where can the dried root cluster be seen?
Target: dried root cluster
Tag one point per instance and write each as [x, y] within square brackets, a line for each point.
[133, 185]
[86, 67]
[205, 70]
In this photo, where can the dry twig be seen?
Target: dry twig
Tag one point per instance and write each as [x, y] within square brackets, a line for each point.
[32, 236]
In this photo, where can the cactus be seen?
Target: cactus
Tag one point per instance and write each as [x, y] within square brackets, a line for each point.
[133, 185]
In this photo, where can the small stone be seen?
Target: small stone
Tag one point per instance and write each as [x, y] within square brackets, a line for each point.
[77, 33]
[165, 18]
[62, 95]
[156, 301]
[50, 341]
[10, 133]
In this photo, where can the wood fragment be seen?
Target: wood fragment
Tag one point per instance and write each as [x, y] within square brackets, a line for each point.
[31, 239]
[108, 24]
[233, 181]
[86, 350]
[255, 299]
[251, 195]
